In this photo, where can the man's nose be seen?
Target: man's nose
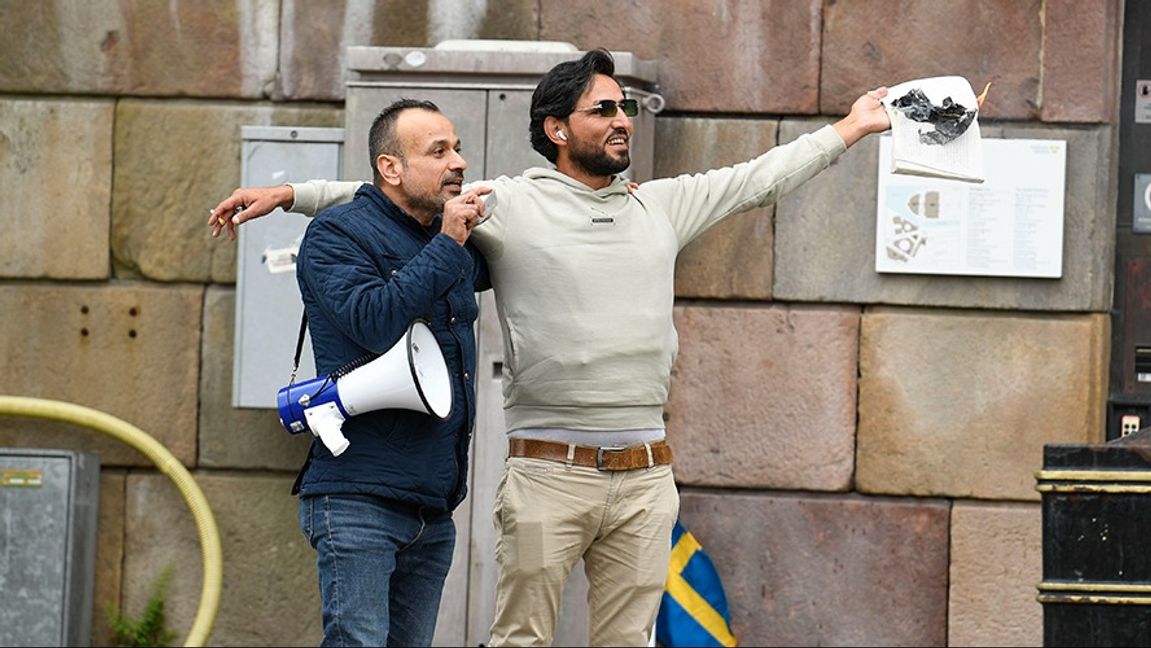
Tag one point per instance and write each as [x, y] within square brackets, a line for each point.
[457, 161]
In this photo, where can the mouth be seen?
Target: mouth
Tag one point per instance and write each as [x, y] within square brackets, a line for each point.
[454, 185]
[618, 140]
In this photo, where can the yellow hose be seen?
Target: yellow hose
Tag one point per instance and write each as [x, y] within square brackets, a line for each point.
[170, 466]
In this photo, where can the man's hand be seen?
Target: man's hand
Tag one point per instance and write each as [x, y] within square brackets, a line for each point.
[867, 116]
[463, 213]
[247, 203]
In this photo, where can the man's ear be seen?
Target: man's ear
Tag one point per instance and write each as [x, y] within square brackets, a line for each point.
[390, 168]
[554, 129]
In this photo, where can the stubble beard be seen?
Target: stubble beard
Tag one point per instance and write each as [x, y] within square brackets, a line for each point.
[432, 201]
[597, 162]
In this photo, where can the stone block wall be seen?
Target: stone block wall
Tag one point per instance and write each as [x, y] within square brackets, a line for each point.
[855, 451]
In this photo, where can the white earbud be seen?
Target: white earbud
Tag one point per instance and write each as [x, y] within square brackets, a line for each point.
[560, 134]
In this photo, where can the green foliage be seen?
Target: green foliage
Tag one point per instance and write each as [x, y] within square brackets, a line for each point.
[151, 628]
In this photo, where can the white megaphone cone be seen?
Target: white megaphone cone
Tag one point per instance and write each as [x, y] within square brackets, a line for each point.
[411, 375]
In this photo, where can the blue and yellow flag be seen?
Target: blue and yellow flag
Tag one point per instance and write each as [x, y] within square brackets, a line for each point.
[694, 610]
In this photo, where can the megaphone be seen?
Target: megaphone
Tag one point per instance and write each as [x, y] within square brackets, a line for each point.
[412, 375]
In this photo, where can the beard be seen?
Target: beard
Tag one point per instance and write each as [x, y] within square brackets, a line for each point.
[431, 200]
[596, 161]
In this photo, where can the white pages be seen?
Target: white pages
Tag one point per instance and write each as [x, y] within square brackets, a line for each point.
[913, 147]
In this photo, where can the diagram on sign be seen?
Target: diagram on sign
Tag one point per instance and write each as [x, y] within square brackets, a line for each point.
[917, 215]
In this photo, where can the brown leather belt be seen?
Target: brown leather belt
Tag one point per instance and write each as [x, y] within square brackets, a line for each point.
[600, 458]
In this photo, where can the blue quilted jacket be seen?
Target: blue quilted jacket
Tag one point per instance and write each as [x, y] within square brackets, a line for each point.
[366, 270]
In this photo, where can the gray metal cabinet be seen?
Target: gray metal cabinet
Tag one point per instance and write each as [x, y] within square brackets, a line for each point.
[268, 305]
[49, 501]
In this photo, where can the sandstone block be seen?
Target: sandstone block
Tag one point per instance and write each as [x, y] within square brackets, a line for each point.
[951, 403]
[56, 170]
[746, 56]
[764, 397]
[996, 562]
[827, 571]
[732, 260]
[990, 40]
[130, 350]
[215, 48]
[1080, 61]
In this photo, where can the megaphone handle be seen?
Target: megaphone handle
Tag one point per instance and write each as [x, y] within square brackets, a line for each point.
[327, 424]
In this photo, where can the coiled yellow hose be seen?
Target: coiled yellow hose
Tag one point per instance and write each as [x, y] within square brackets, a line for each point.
[170, 466]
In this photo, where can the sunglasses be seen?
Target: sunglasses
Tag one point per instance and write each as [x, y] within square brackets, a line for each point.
[608, 107]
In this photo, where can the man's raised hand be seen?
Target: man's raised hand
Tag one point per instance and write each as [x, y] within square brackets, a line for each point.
[247, 203]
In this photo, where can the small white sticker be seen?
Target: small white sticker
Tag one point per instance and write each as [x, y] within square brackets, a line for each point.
[281, 260]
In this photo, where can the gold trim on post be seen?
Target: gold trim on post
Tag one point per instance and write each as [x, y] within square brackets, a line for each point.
[1094, 475]
[1093, 593]
[1097, 481]
[1093, 488]
[1066, 586]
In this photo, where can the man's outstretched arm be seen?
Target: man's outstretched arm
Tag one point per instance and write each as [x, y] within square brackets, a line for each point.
[308, 198]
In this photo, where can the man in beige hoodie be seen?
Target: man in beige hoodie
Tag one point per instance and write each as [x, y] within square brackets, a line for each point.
[582, 268]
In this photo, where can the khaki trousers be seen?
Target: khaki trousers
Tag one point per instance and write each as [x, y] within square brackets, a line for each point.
[549, 515]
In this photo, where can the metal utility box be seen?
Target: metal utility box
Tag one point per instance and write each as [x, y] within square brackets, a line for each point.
[268, 306]
[485, 88]
[1096, 588]
[49, 500]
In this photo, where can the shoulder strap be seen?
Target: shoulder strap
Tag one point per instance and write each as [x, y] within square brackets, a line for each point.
[296, 367]
[299, 347]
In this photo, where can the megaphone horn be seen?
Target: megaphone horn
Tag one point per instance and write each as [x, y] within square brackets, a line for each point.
[412, 375]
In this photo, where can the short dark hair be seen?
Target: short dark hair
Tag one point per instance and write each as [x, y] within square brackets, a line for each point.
[559, 90]
[382, 138]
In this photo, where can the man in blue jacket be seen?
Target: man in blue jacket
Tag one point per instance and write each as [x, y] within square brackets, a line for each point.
[379, 514]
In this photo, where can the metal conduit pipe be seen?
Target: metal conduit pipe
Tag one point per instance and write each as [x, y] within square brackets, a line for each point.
[170, 466]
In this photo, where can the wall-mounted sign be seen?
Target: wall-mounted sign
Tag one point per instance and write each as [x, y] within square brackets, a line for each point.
[1143, 101]
[1011, 225]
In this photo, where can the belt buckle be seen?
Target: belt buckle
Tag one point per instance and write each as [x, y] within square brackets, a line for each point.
[599, 455]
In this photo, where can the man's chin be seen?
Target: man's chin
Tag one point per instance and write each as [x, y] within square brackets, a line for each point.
[622, 160]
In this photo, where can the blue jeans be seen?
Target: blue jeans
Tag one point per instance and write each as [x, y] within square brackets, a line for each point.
[381, 567]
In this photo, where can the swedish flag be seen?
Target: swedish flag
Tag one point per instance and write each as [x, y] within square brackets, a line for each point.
[694, 610]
